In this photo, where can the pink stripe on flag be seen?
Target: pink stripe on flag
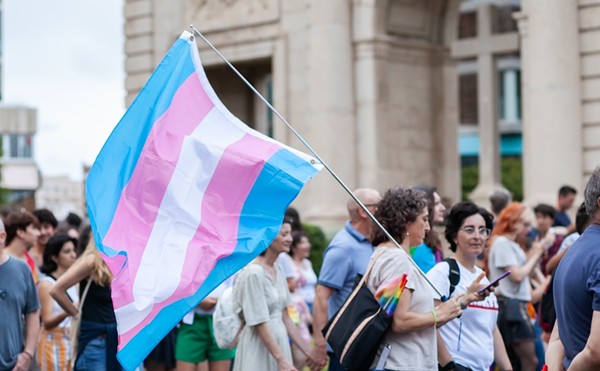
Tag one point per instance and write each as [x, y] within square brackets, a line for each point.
[216, 237]
[142, 196]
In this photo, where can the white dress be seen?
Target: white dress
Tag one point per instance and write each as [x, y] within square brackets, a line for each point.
[262, 301]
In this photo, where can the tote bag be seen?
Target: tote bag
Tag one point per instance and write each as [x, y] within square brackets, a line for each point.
[359, 326]
[76, 325]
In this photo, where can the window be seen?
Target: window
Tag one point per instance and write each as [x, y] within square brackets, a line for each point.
[19, 146]
[467, 25]
[502, 20]
[509, 85]
[467, 93]
[468, 99]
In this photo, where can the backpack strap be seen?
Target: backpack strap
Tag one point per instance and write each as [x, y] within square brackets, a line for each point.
[453, 274]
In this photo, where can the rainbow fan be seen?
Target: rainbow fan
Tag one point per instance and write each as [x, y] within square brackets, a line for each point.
[388, 294]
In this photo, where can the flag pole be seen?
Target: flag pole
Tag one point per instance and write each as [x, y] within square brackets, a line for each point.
[316, 155]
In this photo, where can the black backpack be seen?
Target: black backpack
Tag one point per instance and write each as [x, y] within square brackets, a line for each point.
[453, 274]
[547, 313]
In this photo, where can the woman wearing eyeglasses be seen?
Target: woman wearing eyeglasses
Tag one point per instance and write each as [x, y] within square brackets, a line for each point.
[514, 292]
[473, 340]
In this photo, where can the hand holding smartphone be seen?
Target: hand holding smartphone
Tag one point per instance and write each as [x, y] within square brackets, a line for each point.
[494, 283]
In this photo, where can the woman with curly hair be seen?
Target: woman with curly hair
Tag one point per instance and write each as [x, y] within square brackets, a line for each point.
[412, 336]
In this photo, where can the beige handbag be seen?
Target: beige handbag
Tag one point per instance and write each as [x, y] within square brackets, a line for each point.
[75, 325]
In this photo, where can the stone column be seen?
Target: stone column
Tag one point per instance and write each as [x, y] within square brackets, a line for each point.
[446, 126]
[551, 98]
[487, 97]
[368, 101]
[331, 106]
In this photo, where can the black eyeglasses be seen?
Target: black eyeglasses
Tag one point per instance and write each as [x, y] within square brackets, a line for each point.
[483, 231]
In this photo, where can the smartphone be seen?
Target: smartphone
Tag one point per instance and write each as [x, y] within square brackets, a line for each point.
[494, 282]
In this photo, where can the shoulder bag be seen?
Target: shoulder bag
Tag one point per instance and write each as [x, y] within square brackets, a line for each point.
[359, 326]
[76, 325]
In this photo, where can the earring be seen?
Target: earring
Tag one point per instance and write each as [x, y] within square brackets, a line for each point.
[407, 234]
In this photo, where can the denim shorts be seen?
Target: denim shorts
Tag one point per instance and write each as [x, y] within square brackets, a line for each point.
[93, 357]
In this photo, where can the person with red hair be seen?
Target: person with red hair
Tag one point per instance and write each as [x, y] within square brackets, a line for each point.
[514, 292]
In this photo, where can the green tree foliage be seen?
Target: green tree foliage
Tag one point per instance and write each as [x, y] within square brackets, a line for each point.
[318, 243]
[511, 176]
[470, 178]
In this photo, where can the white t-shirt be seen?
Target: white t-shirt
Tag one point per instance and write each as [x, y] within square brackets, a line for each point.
[286, 262]
[470, 338]
[505, 253]
[568, 241]
[306, 280]
[56, 309]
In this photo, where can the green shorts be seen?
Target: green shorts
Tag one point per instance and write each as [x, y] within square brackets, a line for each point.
[196, 342]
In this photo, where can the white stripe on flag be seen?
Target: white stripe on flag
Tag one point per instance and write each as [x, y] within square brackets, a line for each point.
[160, 268]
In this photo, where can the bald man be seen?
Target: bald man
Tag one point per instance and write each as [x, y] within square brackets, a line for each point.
[347, 255]
[18, 301]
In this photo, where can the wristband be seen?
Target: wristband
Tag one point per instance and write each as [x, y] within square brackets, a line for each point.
[435, 320]
[28, 354]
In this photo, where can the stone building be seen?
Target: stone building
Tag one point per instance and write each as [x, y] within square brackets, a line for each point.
[385, 90]
[62, 195]
[19, 175]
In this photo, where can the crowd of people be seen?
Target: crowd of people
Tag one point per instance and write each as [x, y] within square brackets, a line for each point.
[543, 312]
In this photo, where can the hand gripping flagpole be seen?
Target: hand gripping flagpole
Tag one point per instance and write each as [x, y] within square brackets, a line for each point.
[314, 153]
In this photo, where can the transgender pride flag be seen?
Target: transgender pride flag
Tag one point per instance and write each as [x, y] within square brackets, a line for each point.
[183, 195]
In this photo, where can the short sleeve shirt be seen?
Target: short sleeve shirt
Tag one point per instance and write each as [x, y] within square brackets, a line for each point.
[346, 256]
[561, 219]
[423, 257]
[568, 241]
[505, 253]
[260, 297]
[470, 338]
[18, 297]
[286, 262]
[415, 350]
[577, 292]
